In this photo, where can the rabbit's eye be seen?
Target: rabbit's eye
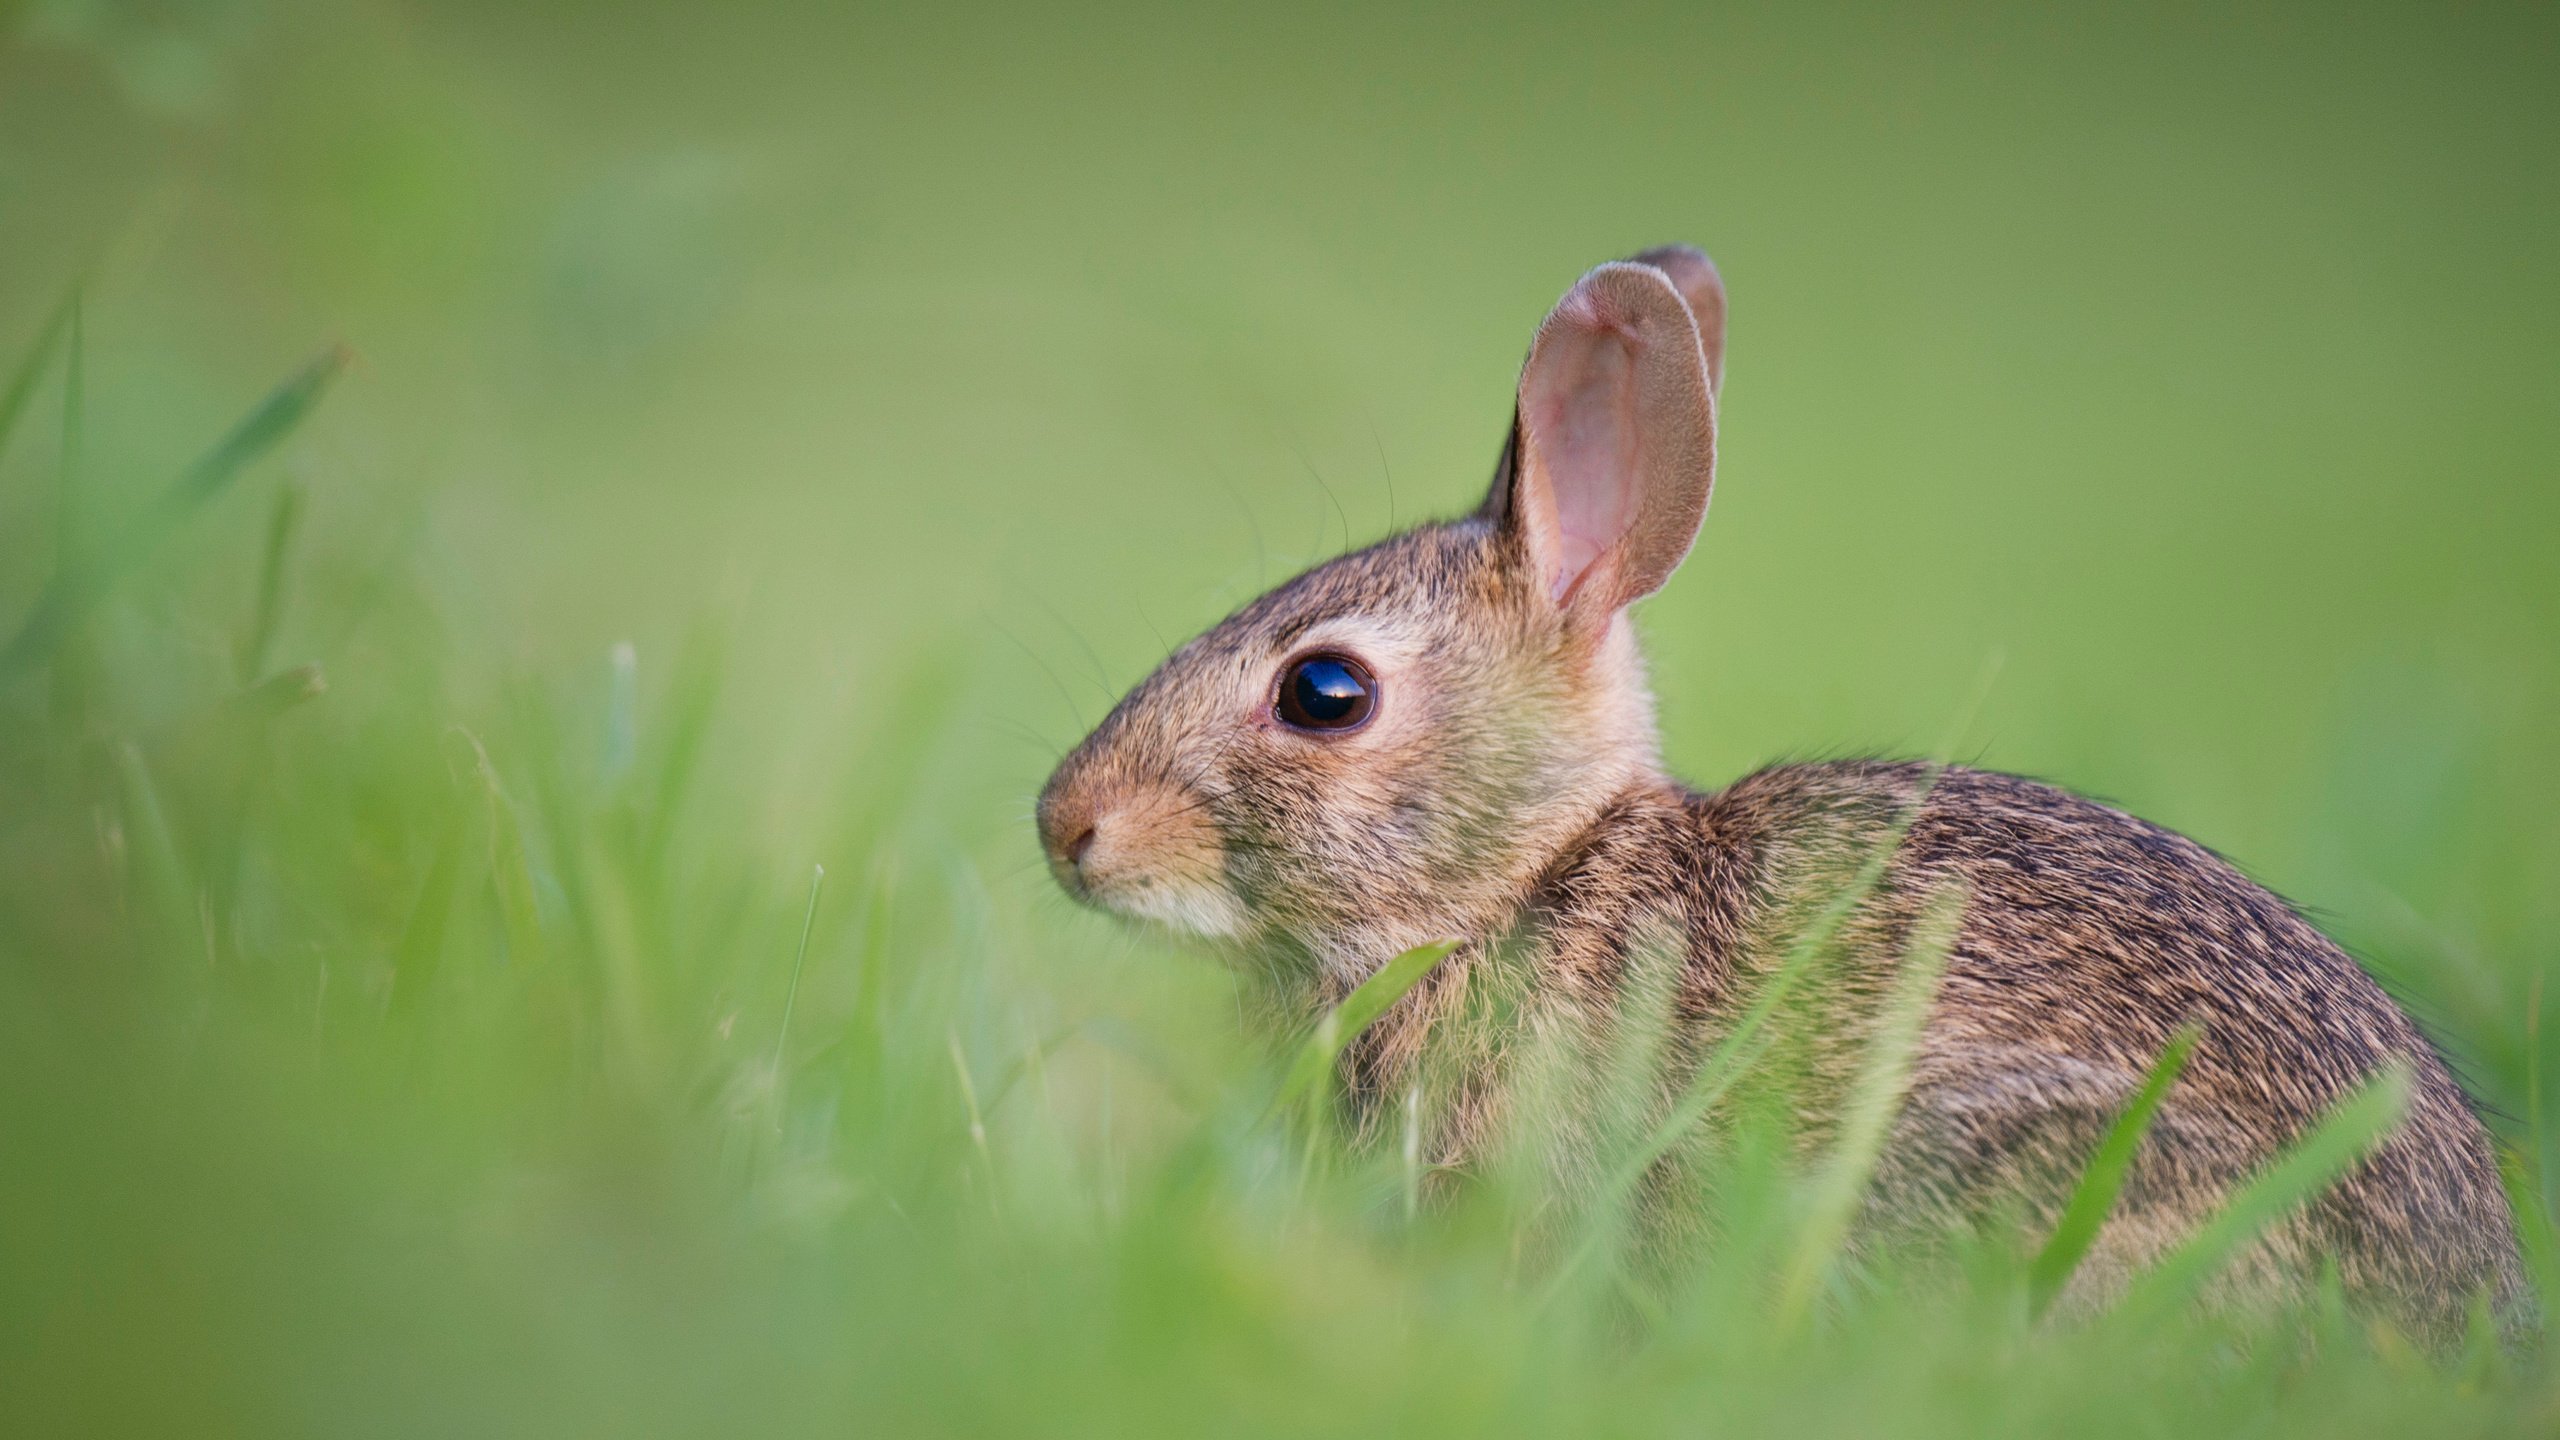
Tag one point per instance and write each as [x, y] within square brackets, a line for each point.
[1326, 692]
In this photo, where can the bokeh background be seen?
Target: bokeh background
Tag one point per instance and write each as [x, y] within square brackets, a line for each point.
[823, 412]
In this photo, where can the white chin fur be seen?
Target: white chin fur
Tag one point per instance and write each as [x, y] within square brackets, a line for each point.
[1202, 912]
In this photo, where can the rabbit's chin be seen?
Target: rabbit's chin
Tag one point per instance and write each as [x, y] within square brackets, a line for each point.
[1188, 910]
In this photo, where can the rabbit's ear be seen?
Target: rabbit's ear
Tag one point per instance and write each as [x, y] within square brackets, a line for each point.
[1612, 452]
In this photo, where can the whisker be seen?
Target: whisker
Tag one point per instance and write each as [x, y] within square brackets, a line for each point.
[1045, 669]
[1101, 676]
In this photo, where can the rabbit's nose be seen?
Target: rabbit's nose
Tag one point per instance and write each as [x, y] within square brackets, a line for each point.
[1066, 832]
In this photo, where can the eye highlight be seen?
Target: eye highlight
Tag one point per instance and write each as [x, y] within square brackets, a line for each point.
[1326, 692]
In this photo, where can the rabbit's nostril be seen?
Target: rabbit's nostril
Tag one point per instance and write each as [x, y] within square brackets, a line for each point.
[1080, 844]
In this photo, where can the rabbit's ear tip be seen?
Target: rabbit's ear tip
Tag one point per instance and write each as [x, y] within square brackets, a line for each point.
[1676, 260]
[1701, 285]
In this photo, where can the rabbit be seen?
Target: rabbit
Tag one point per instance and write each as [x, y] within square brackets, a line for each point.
[1449, 735]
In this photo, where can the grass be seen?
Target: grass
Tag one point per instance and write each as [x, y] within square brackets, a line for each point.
[2095, 1195]
[516, 914]
[404, 1097]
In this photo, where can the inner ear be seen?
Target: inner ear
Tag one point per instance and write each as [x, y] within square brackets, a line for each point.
[1579, 407]
[1613, 449]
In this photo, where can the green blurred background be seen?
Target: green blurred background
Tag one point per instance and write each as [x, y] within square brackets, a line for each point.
[898, 383]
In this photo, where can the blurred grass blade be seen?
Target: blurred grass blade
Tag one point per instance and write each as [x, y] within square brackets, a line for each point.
[1867, 1119]
[30, 371]
[800, 962]
[779, 1082]
[692, 695]
[1732, 1058]
[414, 964]
[977, 1117]
[258, 641]
[510, 864]
[75, 439]
[2099, 1185]
[276, 417]
[863, 1025]
[279, 693]
[1313, 1068]
[74, 591]
[159, 872]
[1409, 1152]
[2350, 1131]
[74, 668]
[1741, 1048]
[2535, 1228]
[621, 713]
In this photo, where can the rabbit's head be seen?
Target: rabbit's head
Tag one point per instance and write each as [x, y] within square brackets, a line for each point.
[1390, 748]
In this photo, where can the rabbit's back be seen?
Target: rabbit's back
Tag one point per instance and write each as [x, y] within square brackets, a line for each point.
[2086, 938]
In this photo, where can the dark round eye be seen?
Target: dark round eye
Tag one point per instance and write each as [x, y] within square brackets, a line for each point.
[1326, 692]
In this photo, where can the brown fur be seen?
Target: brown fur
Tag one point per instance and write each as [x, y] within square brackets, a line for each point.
[1508, 793]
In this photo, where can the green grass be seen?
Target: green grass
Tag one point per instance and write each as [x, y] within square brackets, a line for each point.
[2094, 1197]
[770, 442]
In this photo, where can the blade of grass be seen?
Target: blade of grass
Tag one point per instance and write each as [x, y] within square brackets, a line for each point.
[510, 865]
[75, 434]
[30, 371]
[2345, 1135]
[1640, 1043]
[1306, 1093]
[240, 731]
[1867, 1119]
[74, 667]
[1734, 1056]
[414, 963]
[280, 692]
[159, 871]
[2095, 1195]
[977, 1118]
[74, 591]
[864, 1038]
[2536, 1234]
[692, 695]
[604, 915]
[1411, 1152]
[791, 997]
[258, 641]
[1309, 1075]
[1033, 1062]
[1741, 1048]
[621, 714]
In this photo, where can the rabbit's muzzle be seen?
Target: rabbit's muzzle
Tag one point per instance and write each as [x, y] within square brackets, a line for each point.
[1138, 846]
